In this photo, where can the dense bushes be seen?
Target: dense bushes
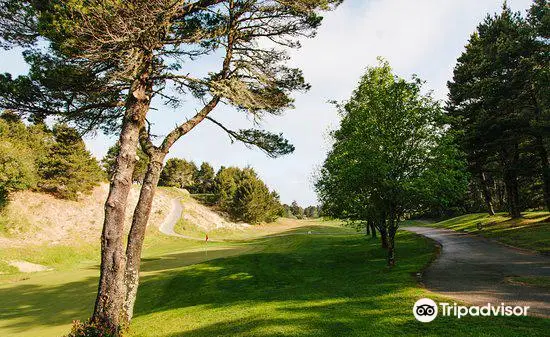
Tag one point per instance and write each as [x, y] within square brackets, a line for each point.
[35, 157]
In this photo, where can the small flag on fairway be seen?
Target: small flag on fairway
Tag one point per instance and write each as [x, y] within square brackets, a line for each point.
[206, 237]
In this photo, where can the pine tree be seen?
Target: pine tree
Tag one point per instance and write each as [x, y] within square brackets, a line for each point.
[179, 173]
[204, 181]
[69, 169]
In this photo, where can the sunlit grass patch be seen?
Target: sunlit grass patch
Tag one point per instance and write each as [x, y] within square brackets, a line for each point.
[532, 231]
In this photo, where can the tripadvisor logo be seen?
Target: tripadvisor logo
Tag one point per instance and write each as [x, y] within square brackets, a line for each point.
[426, 310]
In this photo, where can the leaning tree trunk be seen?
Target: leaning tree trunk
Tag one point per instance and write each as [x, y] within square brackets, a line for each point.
[111, 291]
[486, 194]
[145, 202]
[137, 232]
[545, 165]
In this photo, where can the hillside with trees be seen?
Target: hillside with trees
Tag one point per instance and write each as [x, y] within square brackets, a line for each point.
[53, 160]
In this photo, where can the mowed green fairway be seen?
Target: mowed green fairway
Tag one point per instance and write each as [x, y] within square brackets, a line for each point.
[298, 285]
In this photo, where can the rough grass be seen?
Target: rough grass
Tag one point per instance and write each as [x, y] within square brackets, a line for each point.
[300, 285]
[532, 231]
[537, 281]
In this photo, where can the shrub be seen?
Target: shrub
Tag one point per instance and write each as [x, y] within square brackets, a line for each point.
[93, 329]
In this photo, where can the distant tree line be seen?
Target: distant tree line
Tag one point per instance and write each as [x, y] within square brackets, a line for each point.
[294, 210]
[52, 160]
[499, 111]
[237, 192]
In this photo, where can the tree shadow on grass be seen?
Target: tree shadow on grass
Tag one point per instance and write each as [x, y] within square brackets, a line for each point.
[56, 298]
[308, 286]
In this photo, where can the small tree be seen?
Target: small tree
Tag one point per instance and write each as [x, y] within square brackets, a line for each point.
[68, 169]
[296, 210]
[245, 197]
[17, 159]
[178, 173]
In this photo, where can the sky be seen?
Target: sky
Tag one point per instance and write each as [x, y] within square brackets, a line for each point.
[422, 37]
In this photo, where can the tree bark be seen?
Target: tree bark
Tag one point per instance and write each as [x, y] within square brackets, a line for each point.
[367, 227]
[545, 166]
[373, 229]
[392, 229]
[137, 232]
[383, 234]
[486, 194]
[111, 290]
[512, 193]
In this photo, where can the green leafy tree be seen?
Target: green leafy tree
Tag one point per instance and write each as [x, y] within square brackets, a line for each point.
[311, 212]
[296, 210]
[245, 197]
[391, 156]
[179, 173]
[17, 168]
[69, 169]
[21, 147]
[226, 186]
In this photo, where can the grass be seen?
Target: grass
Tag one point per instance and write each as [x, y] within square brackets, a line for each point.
[11, 223]
[537, 281]
[301, 285]
[532, 231]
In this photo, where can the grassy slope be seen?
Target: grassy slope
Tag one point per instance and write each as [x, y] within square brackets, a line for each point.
[530, 232]
[304, 285]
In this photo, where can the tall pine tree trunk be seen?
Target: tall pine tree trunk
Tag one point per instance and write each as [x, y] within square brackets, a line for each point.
[545, 166]
[510, 158]
[486, 194]
[111, 290]
[137, 232]
[145, 202]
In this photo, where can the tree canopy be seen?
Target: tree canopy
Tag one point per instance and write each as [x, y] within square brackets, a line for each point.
[391, 155]
[499, 103]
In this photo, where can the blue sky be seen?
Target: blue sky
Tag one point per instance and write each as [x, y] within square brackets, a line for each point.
[422, 37]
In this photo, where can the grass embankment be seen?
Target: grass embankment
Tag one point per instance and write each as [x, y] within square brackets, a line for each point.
[62, 234]
[532, 231]
[301, 285]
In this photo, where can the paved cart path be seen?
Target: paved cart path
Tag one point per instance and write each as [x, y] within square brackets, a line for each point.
[475, 270]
